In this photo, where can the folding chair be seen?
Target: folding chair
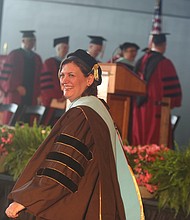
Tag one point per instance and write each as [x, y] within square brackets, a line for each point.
[174, 121]
[9, 113]
[31, 113]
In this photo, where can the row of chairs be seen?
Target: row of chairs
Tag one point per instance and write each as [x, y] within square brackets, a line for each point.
[45, 115]
[26, 114]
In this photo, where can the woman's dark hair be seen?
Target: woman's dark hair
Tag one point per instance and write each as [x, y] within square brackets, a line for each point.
[92, 89]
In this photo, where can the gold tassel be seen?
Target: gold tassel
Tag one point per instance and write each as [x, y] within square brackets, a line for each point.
[95, 69]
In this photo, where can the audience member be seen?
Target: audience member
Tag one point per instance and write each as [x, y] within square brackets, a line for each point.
[162, 81]
[96, 47]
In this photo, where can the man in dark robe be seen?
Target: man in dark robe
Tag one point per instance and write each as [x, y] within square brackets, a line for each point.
[51, 95]
[49, 82]
[20, 75]
[2, 61]
[96, 47]
[162, 81]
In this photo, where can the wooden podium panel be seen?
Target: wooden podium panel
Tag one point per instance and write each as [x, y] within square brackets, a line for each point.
[122, 80]
[165, 121]
[120, 111]
[122, 85]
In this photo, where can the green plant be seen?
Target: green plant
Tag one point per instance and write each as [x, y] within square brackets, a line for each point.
[25, 142]
[172, 175]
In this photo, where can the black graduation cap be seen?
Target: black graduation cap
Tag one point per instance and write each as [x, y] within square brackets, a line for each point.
[159, 38]
[90, 63]
[96, 40]
[61, 40]
[146, 49]
[126, 45]
[28, 34]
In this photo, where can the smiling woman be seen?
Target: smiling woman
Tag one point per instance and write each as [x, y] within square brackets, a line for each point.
[77, 79]
[80, 171]
[73, 82]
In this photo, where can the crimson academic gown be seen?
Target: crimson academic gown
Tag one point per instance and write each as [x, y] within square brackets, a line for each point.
[161, 82]
[22, 68]
[73, 175]
[50, 87]
[49, 82]
[2, 61]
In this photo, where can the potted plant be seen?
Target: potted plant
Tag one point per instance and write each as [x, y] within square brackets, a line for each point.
[25, 141]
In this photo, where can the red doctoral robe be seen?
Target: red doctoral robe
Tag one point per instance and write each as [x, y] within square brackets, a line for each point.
[2, 61]
[22, 68]
[161, 82]
[49, 82]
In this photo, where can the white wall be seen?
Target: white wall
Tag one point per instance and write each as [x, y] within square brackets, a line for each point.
[117, 21]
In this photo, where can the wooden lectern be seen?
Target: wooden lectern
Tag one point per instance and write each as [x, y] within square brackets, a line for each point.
[122, 85]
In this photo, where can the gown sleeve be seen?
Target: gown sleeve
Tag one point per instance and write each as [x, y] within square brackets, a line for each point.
[59, 175]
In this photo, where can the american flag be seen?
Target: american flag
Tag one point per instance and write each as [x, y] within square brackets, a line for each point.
[157, 20]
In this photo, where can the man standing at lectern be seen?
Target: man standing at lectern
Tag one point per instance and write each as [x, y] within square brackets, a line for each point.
[162, 81]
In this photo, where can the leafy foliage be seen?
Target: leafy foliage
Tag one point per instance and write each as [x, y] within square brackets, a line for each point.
[25, 142]
[167, 171]
[172, 175]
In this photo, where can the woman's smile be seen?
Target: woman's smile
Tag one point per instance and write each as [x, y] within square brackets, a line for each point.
[73, 82]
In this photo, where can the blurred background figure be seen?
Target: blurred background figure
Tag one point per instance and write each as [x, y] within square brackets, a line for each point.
[49, 82]
[128, 54]
[21, 72]
[162, 82]
[96, 47]
[51, 94]
[2, 61]
[20, 75]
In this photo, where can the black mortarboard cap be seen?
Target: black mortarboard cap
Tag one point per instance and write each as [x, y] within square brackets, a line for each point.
[88, 61]
[145, 49]
[159, 38]
[126, 45]
[96, 40]
[61, 40]
[28, 34]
